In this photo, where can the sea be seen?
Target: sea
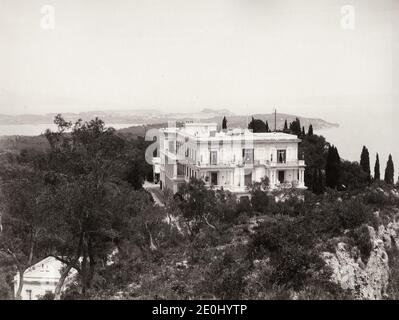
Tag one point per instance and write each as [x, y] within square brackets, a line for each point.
[37, 129]
[377, 128]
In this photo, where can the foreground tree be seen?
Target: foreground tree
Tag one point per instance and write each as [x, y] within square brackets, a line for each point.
[21, 233]
[88, 166]
[197, 205]
[389, 171]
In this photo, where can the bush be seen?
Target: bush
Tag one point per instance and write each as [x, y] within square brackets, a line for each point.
[225, 278]
[290, 245]
[260, 201]
[361, 238]
[296, 267]
[244, 206]
[354, 213]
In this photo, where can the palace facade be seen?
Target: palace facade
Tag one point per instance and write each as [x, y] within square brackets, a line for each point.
[229, 159]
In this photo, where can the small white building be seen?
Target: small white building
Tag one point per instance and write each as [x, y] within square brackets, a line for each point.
[39, 279]
[229, 159]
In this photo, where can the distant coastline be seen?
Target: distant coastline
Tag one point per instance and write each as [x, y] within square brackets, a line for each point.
[28, 124]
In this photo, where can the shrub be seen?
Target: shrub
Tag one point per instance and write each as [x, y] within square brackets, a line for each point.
[260, 201]
[244, 205]
[361, 238]
[290, 245]
[225, 278]
[354, 213]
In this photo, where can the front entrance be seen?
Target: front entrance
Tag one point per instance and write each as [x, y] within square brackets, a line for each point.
[281, 176]
[214, 178]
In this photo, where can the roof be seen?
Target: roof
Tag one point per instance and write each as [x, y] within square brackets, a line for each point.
[208, 132]
[47, 268]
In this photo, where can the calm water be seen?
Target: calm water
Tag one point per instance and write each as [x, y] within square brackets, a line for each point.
[376, 128]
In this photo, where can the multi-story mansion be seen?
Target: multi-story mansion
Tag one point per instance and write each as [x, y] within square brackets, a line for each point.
[229, 159]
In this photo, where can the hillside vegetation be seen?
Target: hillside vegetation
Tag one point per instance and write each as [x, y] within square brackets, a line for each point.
[81, 200]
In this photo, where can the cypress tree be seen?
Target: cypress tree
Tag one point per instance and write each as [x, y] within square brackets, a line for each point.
[377, 168]
[224, 123]
[267, 127]
[295, 127]
[298, 127]
[329, 168]
[365, 161]
[310, 130]
[317, 181]
[389, 171]
[333, 167]
[303, 132]
[285, 126]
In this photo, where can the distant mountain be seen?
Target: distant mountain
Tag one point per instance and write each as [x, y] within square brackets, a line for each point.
[153, 117]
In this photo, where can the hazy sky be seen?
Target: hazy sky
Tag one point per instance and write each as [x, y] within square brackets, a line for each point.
[182, 55]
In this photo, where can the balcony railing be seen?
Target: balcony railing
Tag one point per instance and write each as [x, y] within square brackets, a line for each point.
[219, 164]
[266, 163]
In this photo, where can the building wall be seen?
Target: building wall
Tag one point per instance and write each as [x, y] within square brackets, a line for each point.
[37, 288]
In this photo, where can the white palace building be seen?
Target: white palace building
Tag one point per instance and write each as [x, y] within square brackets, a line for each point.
[229, 159]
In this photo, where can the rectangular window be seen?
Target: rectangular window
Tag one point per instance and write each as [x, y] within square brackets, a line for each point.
[214, 157]
[248, 155]
[281, 156]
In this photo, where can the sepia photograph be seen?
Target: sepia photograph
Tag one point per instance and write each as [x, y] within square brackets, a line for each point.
[199, 157]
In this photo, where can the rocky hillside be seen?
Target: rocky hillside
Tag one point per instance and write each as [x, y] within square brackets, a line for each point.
[368, 278]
